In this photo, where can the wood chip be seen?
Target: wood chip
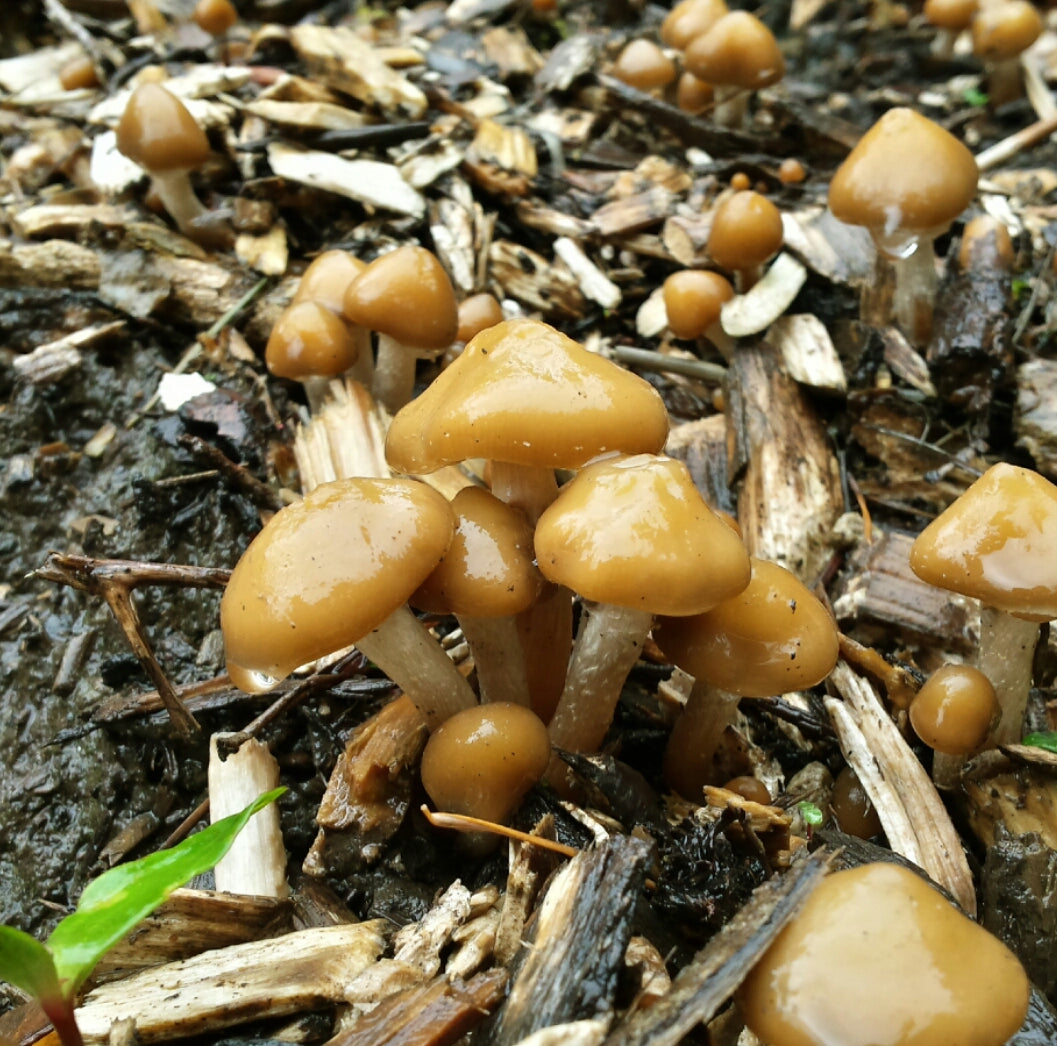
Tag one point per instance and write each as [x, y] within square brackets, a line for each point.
[523, 274]
[1036, 414]
[633, 213]
[808, 352]
[593, 282]
[755, 311]
[307, 116]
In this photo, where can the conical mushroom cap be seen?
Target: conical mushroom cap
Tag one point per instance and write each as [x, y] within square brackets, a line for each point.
[158, 132]
[521, 392]
[327, 570]
[996, 543]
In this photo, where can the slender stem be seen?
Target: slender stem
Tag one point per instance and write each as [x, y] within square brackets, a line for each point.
[412, 659]
[607, 646]
[60, 1012]
[731, 106]
[546, 632]
[915, 292]
[394, 373]
[1007, 649]
[498, 656]
[178, 198]
[525, 487]
[695, 737]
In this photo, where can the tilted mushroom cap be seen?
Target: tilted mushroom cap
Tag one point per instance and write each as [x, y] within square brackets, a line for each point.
[478, 313]
[955, 709]
[996, 543]
[876, 955]
[489, 570]
[407, 295]
[738, 51]
[326, 570]
[746, 231]
[644, 65]
[772, 637]
[950, 14]
[693, 299]
[1002, 31]
[309, 340]
[327, 279]
[635, 532]
[157, 131]
[522, 392]
[907, 176]
[691, 18]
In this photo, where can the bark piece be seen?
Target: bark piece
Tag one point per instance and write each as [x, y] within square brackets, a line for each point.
[808, 352]
[1036, 415]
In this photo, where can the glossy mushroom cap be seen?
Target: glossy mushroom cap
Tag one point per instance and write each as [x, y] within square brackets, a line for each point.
[877, 956]
[215, 17]
[693, 95]
[950, 14]
[1003, 30]
[693, 299]
[771, 638]
[644, 65]
[738, 51]
[746, 231]
[489, 569]
[997, 544]
[483, 761]
[907, 177]
[407, 295]
[689, 19]
[328, 278]
[635, 532]
[308, 340]
[478, 313]
[791, 171]
[157, 132]
[986, 246]
[524, 393]
[955, 710]
[327, 570]
[852, 808]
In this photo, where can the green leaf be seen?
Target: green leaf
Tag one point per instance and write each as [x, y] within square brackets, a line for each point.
[27, 964]
[811, 814]
[1046, 740]
[974, 96]
[114, 903]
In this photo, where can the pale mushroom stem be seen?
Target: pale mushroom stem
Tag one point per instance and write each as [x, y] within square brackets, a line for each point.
[178, 198]
[362, 370]
[316, 388]
[695, 737]
[731, 106]
[393, 384]
[915, 291]
[497, 655]
[942, 46]
[1003, 81]
[1007, 648]
[526, 487]
[721, 340]
[412, 659]
[607, 646]
[546, 632]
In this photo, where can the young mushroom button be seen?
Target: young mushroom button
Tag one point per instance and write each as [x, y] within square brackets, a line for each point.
[334, 569]
[878, 956]
[955, 710]
[689, 19]
[746, 231]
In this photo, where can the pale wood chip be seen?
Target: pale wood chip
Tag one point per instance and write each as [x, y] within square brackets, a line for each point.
[593, 282]
[311, 116]
[808, 352]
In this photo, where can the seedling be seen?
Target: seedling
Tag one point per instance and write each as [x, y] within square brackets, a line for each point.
[1046, 740]
[108, 910]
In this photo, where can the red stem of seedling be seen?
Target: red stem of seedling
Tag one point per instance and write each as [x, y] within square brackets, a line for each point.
[59, 1011]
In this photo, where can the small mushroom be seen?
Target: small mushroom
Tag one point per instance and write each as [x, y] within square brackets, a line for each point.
[876, 955]
[689, 19]
[692, 95]
[336, 568]
[951, 18]
[998, 543]
[215, 17]
[955, 710]
[905, 181]
[642, 64]
[746, 232]
[693, 299]
[407, 298]
[477, 313]
[852, 808]
[1002, 32]
[772, 637]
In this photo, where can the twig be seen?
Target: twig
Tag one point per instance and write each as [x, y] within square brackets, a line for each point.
[462, 823]
[647, 359]
[1009, 147]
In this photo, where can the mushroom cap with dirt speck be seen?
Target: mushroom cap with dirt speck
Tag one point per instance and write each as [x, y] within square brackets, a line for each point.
[772, 637]
[327, 570]
[738, 51]
[996, 543]
[524, 393]
[158, 132]
[878, 957]
[635, 532]
[906, 177]
[746, 231]
[1002, 31]
[309, 340]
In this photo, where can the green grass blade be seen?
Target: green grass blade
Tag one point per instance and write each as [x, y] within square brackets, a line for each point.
[114, 903]
[27, 964]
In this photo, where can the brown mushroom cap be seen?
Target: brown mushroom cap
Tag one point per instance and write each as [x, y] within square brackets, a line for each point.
[407, 295]
[524, 393]
[693, 299]
[906, 177]
[693, 95]
[996, 543]
[478, 313]
[157, 131]
[955, 710]
[689, 19]
[950, 14]
[1002, 31]
[327, 279]
[215, 17]
[852, 807]
[876, 955]
[773, 637]
[644, 65]
[986, 246]
[482, 761]
[746, 231]
[635, 532]
[326, 570]
[308, 340]
[738, 51]
[489, 569]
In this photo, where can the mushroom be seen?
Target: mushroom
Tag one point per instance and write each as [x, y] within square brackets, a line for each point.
[1002, 32]
[738, 54]
[642, 64]
[214, 17]
[632, 536]
[692, 300]
[998, 544]
[477, 313]
[770, 638]
[692, 95]
[746, 232]
[485, 579]
[336, 568]
[689, 19]
[876, 955]
[483, 761]
[79, 73]
[852, 808]
[955, 710]
[407, 298]
[312, 345]
[906, 180]
[157, 132]
[951, 18]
